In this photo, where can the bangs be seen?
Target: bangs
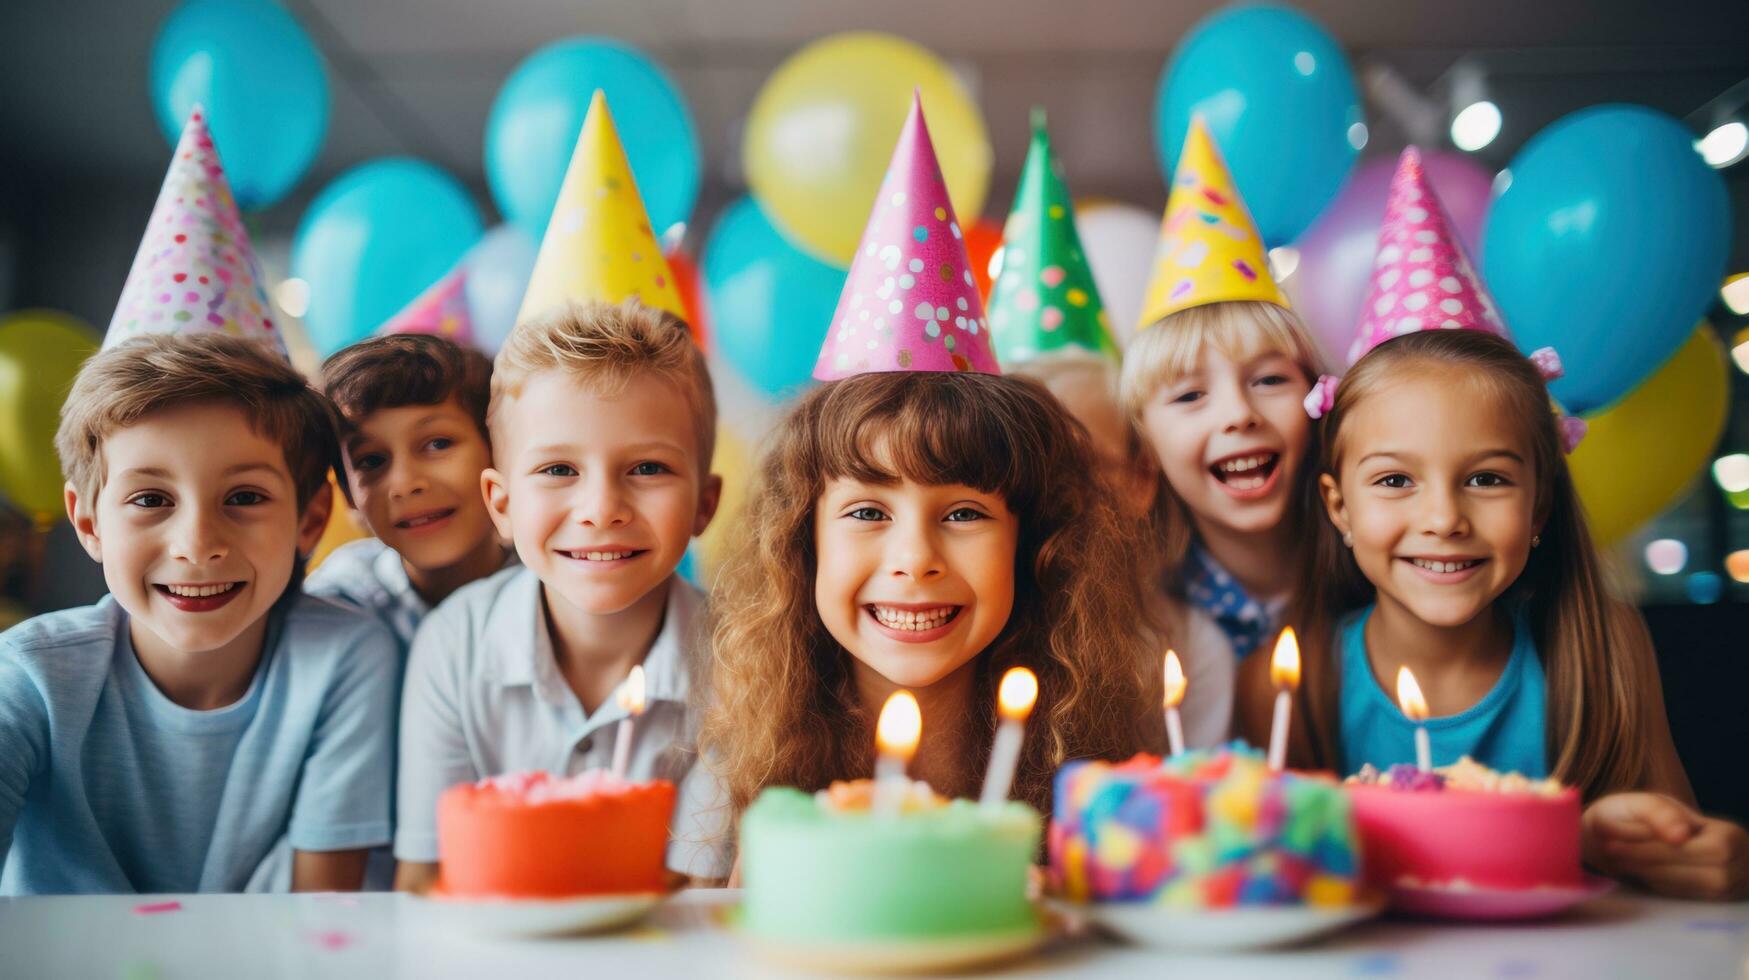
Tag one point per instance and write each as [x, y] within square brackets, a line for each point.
[981, 431]
[1174, 347]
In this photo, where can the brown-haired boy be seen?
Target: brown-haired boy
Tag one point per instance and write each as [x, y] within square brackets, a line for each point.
[414, 440]
[164, 739]
[603, 421]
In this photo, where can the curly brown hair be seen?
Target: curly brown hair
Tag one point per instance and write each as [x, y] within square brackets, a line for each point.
[784, 709]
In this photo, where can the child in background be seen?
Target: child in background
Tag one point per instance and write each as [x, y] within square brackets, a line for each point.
[1456, 547]
[1215, 381]
[165, 738]
[603, 421]
[413, 436]
[923, 523]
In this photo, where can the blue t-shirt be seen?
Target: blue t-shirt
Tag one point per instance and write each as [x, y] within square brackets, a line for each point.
[1505, 730]
[106, 785]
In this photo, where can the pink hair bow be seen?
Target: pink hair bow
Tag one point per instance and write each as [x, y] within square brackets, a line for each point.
[1572, 431]
[1548, 362]
[1322, 397]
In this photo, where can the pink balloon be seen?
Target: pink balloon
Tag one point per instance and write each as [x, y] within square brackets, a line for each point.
[1336, 253]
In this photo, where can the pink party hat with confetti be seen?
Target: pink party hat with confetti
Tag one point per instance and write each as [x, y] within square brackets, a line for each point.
[441, 310]
[1422, 279]
[910, 302]
[195, 271]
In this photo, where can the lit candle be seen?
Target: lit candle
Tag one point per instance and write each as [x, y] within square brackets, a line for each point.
[631, 699]
[1415, 709]
[1284, 673]
[896, 736]
[1175, 685]
[1014, 701]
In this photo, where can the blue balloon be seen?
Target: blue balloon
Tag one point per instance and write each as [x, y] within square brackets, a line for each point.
[498, 270]
[373, 240]
[1279, 98]
[539, 112]
[1608, 245]
[771, 304]
[263, 85]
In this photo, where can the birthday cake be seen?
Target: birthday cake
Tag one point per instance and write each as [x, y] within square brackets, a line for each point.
[531, 835]
[1466, 825]
[1203, 829]
[823, 869]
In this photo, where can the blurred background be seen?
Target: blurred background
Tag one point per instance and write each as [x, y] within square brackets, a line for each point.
[1591, 153]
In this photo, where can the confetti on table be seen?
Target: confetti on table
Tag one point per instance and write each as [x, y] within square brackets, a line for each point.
[332, 939]
[141, 970]
[1378, 965]
[157, 908]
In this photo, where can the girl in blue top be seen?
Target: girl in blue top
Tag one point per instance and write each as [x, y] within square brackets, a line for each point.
[1456, 547]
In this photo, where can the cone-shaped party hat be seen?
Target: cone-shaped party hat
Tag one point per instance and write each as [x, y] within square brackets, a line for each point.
[1045, 298]
[195, 271]
[599, 245]
[441, 310]
[1210, 251]
[1421, 279]
[910, 302]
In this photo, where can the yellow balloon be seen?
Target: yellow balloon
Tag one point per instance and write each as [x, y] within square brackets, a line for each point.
[823, 127]
[40, 353]
[1641, 453]
[734, 463]
[343, 526]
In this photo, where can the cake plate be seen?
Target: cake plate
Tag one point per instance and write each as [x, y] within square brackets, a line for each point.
[902, 956]
[1469, 903]
[1226, 930]
[518, 918]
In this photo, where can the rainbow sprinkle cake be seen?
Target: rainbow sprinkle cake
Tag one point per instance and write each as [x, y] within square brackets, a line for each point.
[1204, 829]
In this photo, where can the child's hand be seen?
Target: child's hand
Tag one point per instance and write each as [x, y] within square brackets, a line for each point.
[1666, 846]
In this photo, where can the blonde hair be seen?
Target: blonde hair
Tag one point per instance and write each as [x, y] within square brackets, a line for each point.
[1174, 347]
[122, 385]
[607, 346]
[783, 707]
[1594, 648]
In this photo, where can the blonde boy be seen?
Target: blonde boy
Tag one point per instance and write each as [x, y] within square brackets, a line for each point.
[602, 421]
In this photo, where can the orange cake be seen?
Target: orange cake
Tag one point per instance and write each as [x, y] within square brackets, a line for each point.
[531, 835]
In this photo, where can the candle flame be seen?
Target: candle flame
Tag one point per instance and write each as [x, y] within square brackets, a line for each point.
[1284, 665]
[1175, 683]
[900, 726]
[1409, 695]
[1014, 699]
[631, 693]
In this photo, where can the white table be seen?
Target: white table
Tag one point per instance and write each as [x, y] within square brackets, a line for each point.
[386, 936]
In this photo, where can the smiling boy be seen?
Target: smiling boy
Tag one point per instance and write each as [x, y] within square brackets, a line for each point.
[165, 738]
[602, 421]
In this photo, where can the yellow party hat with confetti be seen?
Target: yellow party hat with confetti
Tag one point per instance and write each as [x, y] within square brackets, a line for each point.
[1210, 251]
[599, 245]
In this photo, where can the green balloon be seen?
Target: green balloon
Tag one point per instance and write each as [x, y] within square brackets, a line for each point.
[40, 353]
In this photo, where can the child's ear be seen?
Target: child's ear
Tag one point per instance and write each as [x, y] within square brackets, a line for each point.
[496, 492]
[315, 518]
[1334, 506]
[709, 496]
[82, 514]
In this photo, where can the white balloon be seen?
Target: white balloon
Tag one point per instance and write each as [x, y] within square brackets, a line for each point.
[498, 270]
[1120, 240]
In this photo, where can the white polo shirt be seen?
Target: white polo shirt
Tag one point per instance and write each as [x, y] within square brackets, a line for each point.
[484, 696]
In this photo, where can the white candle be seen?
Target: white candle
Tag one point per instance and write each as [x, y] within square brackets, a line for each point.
[1415, 709]
[631, 698]
[1175, 686]
[896, 735]
[1014, 701]
[1284, 673]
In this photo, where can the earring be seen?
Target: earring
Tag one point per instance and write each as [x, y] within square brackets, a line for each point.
[1535, 540]
[1348, 539]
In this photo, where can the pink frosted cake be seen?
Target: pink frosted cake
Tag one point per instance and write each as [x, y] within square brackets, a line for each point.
[1466, 825]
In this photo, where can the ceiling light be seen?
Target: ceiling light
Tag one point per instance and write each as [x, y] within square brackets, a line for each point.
[1476, 126]
[1725, 145]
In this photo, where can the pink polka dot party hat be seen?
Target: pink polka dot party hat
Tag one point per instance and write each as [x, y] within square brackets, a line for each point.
[910, 302]
[195, 271]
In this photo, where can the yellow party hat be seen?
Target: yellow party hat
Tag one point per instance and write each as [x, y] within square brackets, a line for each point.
[599, 245]
[1210, 251]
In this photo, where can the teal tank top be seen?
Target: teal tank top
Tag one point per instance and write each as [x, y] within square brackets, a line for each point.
[1505, 730]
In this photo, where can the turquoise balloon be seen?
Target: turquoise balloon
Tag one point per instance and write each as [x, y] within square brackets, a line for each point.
[770, 303]
[535, 120]
[263, 85]
[1609, 243]
[1279, 98]
[373, 240]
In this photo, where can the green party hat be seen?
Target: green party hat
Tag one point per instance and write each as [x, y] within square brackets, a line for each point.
[1045, 298]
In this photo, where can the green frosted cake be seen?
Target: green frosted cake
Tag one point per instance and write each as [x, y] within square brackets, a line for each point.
[822, 870]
